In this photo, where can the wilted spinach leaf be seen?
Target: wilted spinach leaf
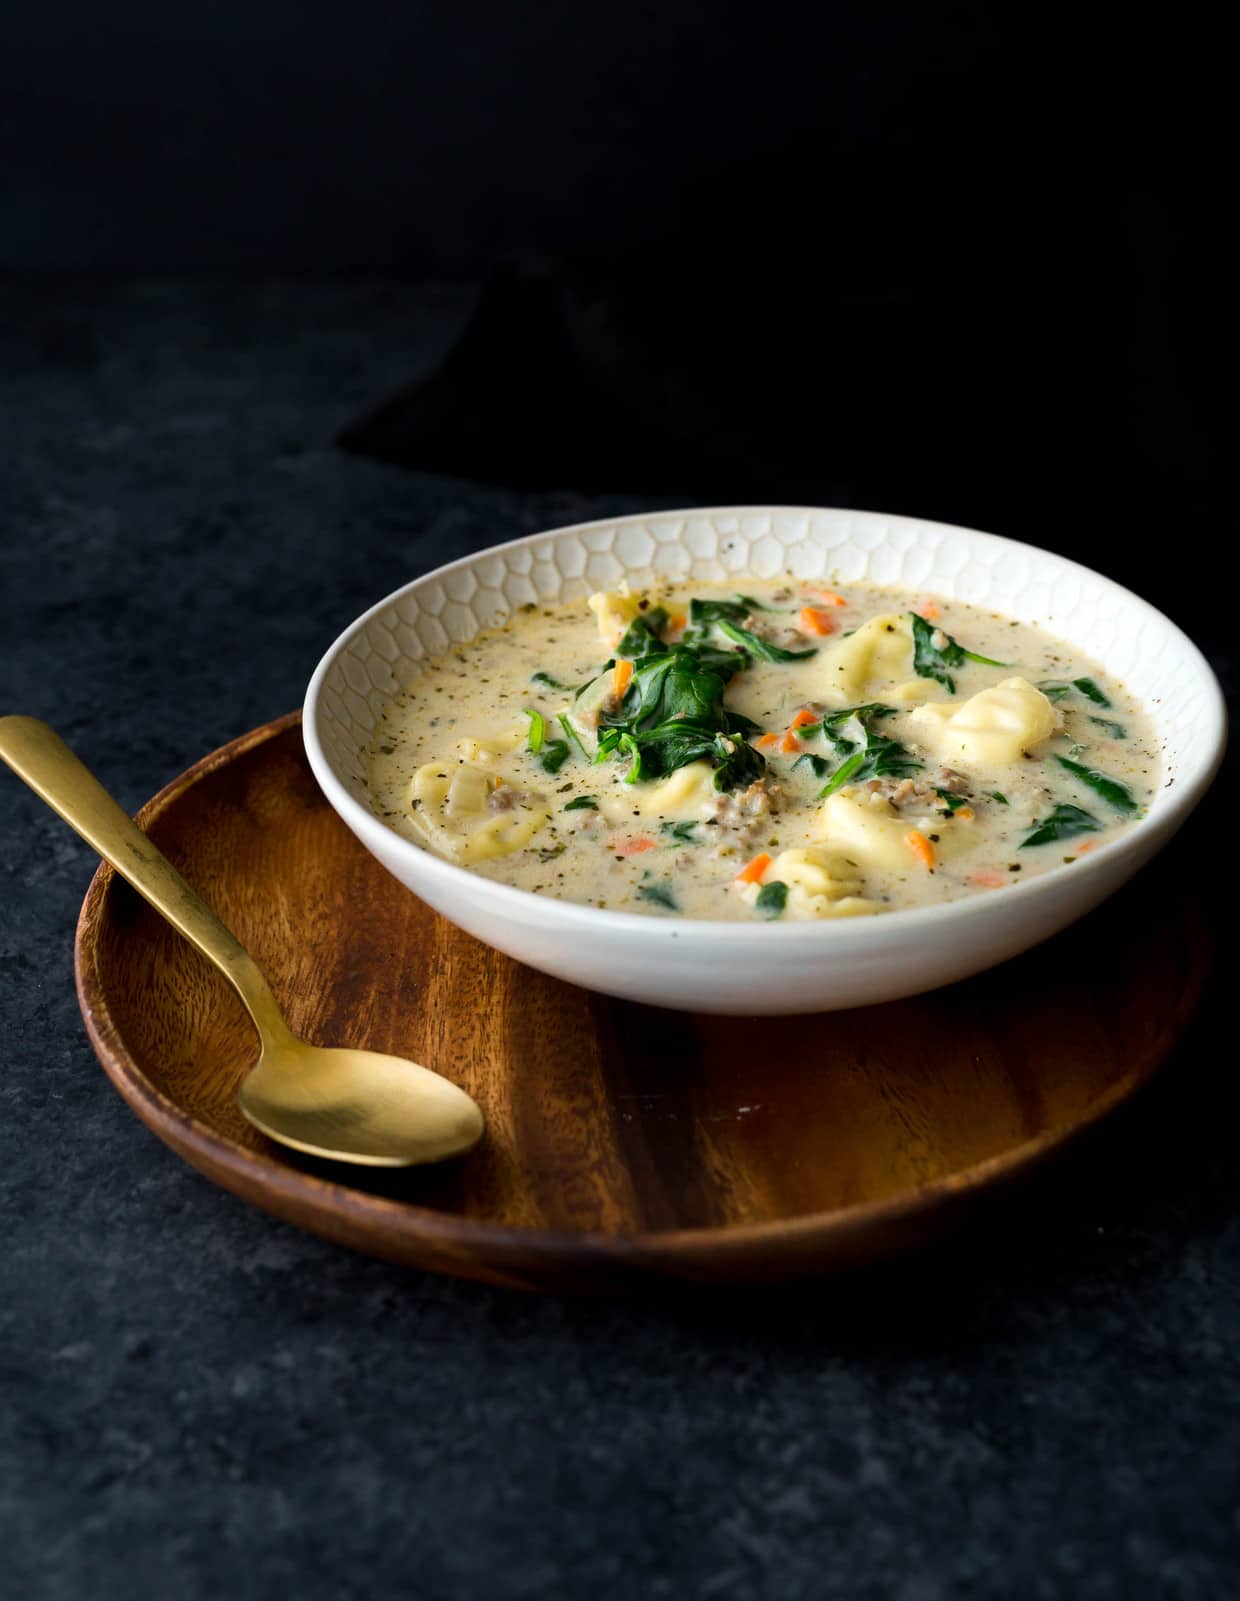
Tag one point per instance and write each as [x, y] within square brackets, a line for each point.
[705, 613]
[772, 898]
[932, 661]
[566, 723]
[553, 756]
[1056, 688]
[834, 723]
[662, 892]
[1111, 790]
[538, 729]
[673, 713]
[757, 646]
[737, 763]
[1064, 822]
[881, 758]
[671, 683]
[547, 682]
[1091, 691]
[643, 634]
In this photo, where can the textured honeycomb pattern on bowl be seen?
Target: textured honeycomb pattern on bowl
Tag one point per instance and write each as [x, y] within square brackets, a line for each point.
[380, 655]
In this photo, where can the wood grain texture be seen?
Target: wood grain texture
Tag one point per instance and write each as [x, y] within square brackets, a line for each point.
[622, 1142]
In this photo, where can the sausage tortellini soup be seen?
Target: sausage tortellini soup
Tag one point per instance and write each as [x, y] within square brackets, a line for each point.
[789, 752]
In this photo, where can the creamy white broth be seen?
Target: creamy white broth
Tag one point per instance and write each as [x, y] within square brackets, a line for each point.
[937, 792]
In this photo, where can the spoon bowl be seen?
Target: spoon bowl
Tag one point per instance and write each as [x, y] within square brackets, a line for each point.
[358, 1106]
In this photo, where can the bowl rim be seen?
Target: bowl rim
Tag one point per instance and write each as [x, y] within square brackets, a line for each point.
[1189, 786]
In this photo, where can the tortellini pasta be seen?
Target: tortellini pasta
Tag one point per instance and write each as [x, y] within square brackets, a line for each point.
[468, 792]
[913, 693]
[991, 729]
[879, 652]
[615, 610]
[820, 883]
[488, 750]
[451, 807]
[868, 830]
[687, 793]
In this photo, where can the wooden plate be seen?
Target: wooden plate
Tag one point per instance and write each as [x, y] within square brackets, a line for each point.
[623, 1142]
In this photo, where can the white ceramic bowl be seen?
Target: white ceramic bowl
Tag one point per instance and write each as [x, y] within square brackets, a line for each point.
[749, 967]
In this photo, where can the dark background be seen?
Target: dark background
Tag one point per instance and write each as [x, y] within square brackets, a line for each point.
[958, 261]
[434, 138]
[961, 260]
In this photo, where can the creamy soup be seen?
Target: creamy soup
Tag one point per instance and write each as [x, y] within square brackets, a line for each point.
[790, 752]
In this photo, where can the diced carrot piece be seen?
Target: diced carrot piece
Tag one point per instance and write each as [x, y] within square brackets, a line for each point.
[812, 621]
[964, 814]
[621, 673]
[790, 742]
[752, 872]
[677, 620]
[768, 739]
[630, 845]
[920, 846]
[1086, 845]
[929, 610]
[830, 596]
[988, 878]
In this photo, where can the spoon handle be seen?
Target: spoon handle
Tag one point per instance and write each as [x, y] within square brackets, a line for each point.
[41, 758]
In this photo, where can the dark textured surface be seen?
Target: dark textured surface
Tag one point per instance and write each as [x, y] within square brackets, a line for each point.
[198, 1402]
[433, 137]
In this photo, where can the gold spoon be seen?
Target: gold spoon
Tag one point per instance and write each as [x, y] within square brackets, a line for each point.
[351, 1106]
